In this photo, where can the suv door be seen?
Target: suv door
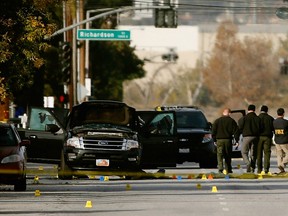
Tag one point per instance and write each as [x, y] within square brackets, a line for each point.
[236, 150]
[46, 135]
[158, 137]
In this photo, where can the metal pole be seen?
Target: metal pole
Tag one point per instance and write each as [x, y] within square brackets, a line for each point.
[74, 65]
[78, 90]
[64, 20]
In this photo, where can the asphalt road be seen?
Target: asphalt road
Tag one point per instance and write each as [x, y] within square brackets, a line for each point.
[182, 191]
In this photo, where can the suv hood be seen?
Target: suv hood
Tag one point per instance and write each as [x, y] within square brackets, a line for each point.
[91, 129]
[101, 113]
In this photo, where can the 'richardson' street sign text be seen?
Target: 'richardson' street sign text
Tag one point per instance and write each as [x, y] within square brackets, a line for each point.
[103, 34]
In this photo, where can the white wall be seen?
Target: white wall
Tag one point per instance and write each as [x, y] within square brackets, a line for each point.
[183, 38]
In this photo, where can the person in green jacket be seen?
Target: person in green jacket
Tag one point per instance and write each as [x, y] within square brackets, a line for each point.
[224, 130]
[265, 140]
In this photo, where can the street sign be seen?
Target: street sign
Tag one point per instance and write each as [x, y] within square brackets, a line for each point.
[103, 34]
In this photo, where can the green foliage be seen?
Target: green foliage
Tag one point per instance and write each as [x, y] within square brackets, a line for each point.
[23, 26]
[111, 64]
[3, 93]
[27, 59]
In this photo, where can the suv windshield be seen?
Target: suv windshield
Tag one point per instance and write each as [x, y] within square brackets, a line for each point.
[117, 114]
[188, 119]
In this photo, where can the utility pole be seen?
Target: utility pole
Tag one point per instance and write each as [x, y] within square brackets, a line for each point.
[81, 46]
[68, 37]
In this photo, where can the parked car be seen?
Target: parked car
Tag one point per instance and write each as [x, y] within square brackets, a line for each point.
[12, 157]
[195, 143]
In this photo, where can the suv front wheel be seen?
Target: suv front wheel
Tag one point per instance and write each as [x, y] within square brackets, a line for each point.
[64, 172]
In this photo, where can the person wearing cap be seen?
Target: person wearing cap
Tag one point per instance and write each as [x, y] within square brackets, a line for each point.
[249, 126]
[281, 139]
[224, 129]
[265, 140]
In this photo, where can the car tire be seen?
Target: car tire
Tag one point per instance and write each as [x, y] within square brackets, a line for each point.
[21, 184]
[64, 172]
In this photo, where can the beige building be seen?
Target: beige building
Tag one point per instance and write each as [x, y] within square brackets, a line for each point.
[190, 44]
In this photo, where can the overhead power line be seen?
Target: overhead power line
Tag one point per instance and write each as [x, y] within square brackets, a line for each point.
[235, 6]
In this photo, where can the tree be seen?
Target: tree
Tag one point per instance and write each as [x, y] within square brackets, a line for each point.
[114, 64]
[239, 70]
[24, 25]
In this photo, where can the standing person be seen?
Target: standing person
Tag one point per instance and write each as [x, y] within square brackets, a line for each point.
[265, 140]
[249, 126]
[223, 130]
[281, 139]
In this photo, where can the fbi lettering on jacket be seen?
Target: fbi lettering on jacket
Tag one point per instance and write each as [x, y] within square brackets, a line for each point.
[279, 131]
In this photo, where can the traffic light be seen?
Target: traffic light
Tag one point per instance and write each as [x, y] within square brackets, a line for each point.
[159, 18]
[172, 19]
[171, 56]
[66, 61]
[166, 18]
[64, 98]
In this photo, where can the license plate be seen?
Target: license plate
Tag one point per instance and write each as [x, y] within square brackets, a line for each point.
[102, 162]
[184, 150]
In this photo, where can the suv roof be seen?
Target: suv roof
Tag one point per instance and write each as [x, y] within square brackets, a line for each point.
[188, 116]
[176, 107]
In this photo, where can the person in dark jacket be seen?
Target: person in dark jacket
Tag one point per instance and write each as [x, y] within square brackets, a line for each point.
[224, 129]
[281, 139]
[265, 140]
[249, 126]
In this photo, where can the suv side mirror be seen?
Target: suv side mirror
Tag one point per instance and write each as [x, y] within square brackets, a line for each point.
[53, 128]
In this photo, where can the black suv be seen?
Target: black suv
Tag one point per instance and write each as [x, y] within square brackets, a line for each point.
[101, 135]
[195, 141]
[107, 135]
